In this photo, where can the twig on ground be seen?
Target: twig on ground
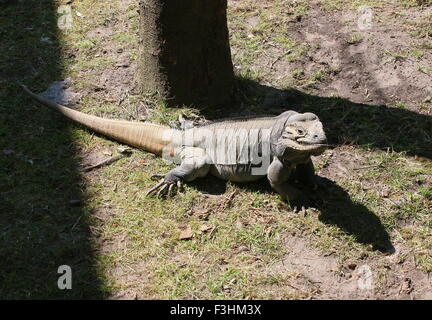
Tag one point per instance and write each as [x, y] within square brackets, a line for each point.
[278, 58]
[123, 152]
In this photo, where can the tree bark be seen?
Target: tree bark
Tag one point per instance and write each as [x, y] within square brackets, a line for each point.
[185, 58]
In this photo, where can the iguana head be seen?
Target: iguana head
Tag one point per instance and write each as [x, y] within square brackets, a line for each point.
[303, 135]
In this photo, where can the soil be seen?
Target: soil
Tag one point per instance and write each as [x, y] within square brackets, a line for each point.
[365, 74]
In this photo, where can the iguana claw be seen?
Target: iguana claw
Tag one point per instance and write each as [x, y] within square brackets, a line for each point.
[164, 187]
[157, 176]
[301, 205]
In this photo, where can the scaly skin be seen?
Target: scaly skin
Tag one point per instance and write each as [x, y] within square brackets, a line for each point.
[237, 150]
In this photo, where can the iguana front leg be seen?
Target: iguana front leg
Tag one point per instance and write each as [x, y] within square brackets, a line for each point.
[305, 174]
[194, 164]
[278, 175]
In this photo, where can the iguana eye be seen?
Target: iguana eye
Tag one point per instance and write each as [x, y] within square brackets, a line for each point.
[300, 132]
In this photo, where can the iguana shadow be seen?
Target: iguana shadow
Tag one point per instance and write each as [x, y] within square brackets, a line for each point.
[210, 185]
[338, 209]
[334, 204]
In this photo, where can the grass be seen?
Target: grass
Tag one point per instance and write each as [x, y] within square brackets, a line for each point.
[424, 69]
[119, 242]
[351, 4]
[354, 38]
[414, 3]
[426, 45]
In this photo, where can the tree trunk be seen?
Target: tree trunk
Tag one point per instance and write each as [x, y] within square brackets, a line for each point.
[185, 58]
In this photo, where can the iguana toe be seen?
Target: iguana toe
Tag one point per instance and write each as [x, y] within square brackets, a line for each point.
[162, 191]
[300, 204]
[164, 188]
[153, 189]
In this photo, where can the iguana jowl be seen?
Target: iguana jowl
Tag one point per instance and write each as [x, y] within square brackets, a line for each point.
[238, 150]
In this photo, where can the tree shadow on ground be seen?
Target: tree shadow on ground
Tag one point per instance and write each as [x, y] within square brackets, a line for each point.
[43, 221]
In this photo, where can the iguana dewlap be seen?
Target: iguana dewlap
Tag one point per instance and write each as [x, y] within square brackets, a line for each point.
[238, 150]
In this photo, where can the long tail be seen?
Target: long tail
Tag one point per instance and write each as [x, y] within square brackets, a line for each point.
[148, 136]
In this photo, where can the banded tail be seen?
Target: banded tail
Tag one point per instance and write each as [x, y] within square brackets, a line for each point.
[148, 136]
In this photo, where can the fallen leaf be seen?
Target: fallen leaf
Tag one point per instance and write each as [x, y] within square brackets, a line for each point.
[123, 149]
[143, 163]
[205, 228]
[242, 249]
[107, 152]
[204, 214]
[186, 234]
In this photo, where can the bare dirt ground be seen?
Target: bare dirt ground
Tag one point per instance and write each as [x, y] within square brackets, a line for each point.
[379, 68]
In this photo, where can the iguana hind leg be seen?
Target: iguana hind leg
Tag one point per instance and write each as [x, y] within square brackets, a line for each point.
[185, 122]
[194, 164]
